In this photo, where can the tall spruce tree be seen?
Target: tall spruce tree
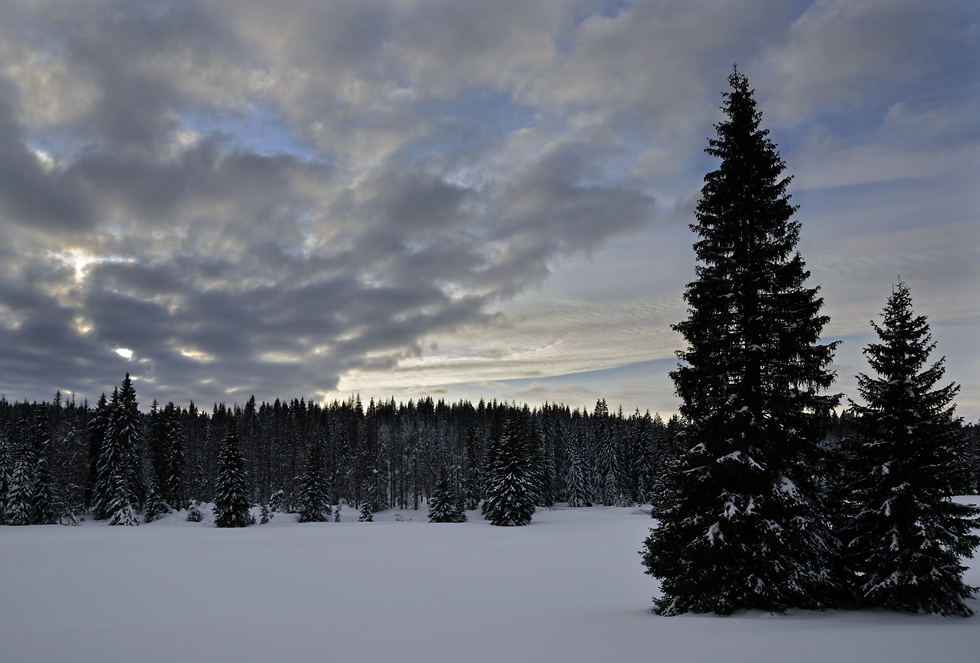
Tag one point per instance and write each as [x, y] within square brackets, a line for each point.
[905, 538]
[473, 476]
[576, 493]
[173, 486]
[605, 455]
[644, 432]
[97, 423]
[6, 467]
[231, 505]
[510, 491]
[48, 503]
[129, 437]
[103, 424]
[118, 490]
[315, 493]
[19, 507]
[741, 526]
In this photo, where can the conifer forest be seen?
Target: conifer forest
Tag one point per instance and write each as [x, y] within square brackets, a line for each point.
[63, 459]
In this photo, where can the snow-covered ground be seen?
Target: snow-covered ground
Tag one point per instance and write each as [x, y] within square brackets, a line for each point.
[567, 588]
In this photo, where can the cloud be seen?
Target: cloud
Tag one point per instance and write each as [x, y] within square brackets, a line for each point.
[225, 268]
[296, 198]
[842, 54]
[30, 193]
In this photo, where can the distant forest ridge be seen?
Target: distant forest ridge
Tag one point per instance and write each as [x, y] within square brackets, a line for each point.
[384, 454]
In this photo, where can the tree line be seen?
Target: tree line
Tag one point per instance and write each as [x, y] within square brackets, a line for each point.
[62, 459]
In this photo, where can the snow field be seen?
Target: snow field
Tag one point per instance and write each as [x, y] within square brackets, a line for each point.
[567, 588]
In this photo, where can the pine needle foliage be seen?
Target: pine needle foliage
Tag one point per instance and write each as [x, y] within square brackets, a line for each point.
[231, 504]
[510, 491]
[315, 496]
[741, 522]
[905, 537]
[445, 504]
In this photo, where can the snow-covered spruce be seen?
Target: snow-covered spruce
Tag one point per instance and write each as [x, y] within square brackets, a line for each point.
[575, 487]
[120, 506]
[603, 442]
[905, 538]
[510, 493]
[5, 467]
[98, 423]
[473, 477]
[118, 485]
[445, 504]
[314, 498]
[277, 503]
[741, 519]
[125, 515]
[19, 507]
[48, 504]
[231, 505]
[156, 505]
[173, 487]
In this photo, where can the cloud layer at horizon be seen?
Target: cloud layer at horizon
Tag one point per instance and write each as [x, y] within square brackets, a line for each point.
[310, 198]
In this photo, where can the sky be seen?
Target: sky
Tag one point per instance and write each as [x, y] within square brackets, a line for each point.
[481, 199]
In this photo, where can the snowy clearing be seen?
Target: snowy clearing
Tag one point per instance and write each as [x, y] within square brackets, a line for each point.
[569, 587]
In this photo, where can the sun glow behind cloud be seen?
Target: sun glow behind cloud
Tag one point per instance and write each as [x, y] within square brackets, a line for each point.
[81, 260]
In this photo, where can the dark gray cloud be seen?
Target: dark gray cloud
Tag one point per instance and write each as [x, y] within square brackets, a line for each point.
[29, 195]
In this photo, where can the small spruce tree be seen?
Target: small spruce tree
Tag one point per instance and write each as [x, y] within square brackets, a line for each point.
[473, 476]
[314, 497]
[156, 505]
[445, 504]
[97, 423]
[6, 466]
[905, 537]
[510, 491]
[173, 488]
[277, 503]
[20, 492]
[47, 496]
[574, 479]
[120, 507]
[231, 505]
